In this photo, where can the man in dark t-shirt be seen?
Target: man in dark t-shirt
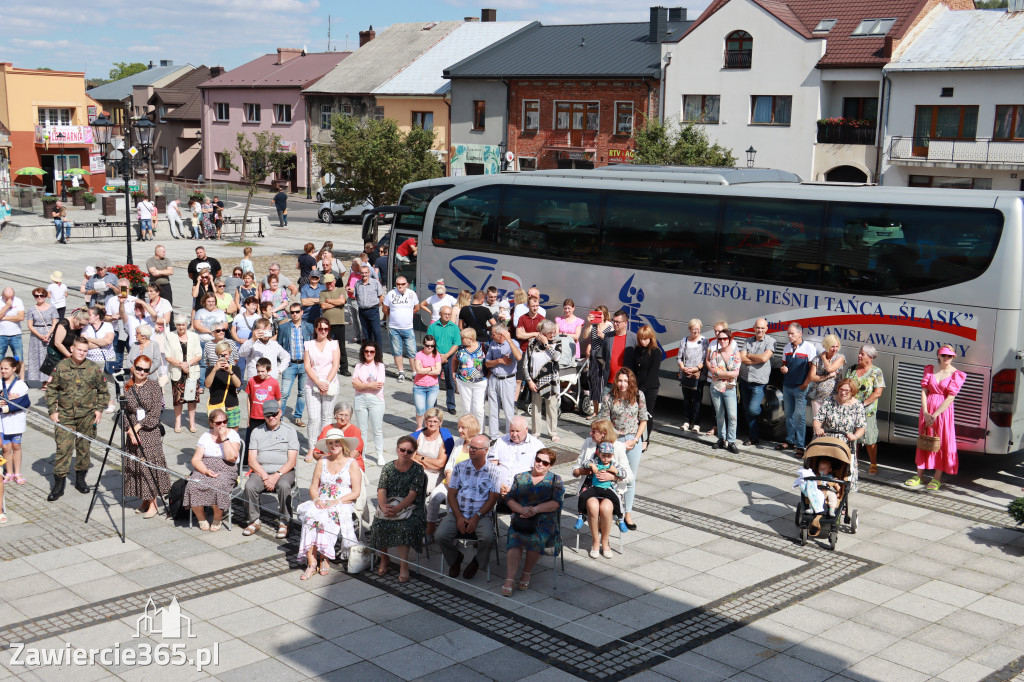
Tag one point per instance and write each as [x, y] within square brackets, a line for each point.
[280, 202]
[202, 258]
[477, 316]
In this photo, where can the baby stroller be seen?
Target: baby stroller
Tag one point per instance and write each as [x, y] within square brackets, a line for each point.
[571, 378]
[837, 452]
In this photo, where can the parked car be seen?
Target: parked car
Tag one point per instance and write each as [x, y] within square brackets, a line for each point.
[331, 212]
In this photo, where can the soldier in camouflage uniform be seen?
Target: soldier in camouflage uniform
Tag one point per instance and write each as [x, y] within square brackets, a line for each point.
[75, 398]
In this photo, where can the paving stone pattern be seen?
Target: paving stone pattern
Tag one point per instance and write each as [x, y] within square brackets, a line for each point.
[657, 643]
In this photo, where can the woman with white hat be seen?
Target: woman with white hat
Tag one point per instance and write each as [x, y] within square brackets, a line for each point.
[327, 515]
[90, 272]
[58, 293]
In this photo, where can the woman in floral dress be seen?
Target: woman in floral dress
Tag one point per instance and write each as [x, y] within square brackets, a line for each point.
[42, 318]
[402, 485]
[825, 369]
[842, 416]
[535, 493]
[328, 512]
[144, 403]
[870, 383]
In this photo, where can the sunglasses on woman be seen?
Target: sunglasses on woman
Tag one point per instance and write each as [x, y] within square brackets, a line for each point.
[142, 370]
[222, 422]
[545, 462]
[369, 351]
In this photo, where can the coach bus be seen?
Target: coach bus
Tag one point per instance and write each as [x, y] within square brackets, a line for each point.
[905, 270]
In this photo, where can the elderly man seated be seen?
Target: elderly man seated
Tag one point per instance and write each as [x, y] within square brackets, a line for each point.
[513, 454]
[273, 452]
[472, 494]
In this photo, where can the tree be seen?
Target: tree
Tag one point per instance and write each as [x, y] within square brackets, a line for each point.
[374, 159]
[674, 144]
[990, 4]
[124, 69]
[259, 159]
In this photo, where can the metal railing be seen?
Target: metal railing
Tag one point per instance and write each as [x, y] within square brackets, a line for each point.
[738, 59]
[843, 134]
[978, 150]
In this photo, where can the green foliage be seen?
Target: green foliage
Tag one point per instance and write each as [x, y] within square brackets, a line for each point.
[374, 159]
[89, 198]
[260, 158]
[125, 69]
[990, 4]
[49, 199]
[1016, 510]
[674, 144]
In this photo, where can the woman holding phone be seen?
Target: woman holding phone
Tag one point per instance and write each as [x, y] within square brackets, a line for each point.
[224, 379]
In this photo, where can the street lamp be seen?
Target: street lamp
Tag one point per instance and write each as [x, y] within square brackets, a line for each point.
[309, 168]
[751, 153]
[62, 162]
[122, 162]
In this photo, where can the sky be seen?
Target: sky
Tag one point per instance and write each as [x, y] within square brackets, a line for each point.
[78, 36]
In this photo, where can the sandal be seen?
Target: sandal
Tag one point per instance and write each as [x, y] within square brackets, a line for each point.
[3, 518]
[19, 479]
[914, 482]
[204, 525]
[325, 567]
[251, 528]
[873, 470]
[177, 429]
[783, 446]
[382, 570]
[308, 573]
[282, 532]
[506, 588]
[933, 485]
[403, 577]
[214, 527]
[524, 582]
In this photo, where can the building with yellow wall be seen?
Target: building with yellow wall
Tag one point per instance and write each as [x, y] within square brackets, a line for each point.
[48, 115]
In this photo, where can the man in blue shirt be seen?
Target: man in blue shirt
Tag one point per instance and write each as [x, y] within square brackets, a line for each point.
[292, 336]
[796, 370]
[502, 360]
[309, 296]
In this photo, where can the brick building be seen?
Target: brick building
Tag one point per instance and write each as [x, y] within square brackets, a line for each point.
[571, 95]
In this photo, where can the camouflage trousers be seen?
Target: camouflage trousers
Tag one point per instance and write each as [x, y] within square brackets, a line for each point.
[68, 442]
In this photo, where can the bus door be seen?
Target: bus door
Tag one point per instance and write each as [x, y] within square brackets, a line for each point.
[404, 257]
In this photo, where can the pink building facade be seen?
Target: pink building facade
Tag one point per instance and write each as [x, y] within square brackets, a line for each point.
[262, 95]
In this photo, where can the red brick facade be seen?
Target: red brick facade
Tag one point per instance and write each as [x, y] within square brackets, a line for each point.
[601, 147]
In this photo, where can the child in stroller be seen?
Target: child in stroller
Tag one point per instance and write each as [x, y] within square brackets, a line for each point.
[824, 482]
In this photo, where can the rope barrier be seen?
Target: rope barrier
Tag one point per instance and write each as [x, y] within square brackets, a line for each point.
[240, 485]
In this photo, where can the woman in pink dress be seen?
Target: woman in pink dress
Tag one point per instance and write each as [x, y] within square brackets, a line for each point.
[570, 325]
[938, 389]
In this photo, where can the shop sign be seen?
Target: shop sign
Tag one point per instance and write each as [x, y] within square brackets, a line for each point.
[621, 155]
[73, 135]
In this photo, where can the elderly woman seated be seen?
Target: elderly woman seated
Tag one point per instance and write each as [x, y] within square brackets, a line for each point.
[434, 443]
[603, 479]
[214, 471]
[535, 500]
[468, 427]
[328, 512]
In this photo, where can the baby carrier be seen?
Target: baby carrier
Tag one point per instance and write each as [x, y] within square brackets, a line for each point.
[837, 452]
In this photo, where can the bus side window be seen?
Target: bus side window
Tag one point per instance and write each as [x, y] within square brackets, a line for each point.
[668, 231]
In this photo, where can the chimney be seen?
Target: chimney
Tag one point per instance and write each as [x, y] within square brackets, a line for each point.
[468, 19]
[166, 62]
[285, 54]
[216, 71]
[887, 47]
[659, 24]
[366, 36]
[677, 14]
[488, 15]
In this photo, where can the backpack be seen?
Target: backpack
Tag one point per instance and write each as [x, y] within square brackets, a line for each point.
[176, 508]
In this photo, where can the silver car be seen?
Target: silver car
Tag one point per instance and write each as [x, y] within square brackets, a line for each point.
[331, 212]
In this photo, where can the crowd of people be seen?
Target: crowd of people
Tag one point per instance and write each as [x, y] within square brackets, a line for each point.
[248, 343]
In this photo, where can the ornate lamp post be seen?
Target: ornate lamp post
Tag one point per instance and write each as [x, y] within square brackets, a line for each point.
[751, 153]
[62, 166]
[309, 168]
[124, 161]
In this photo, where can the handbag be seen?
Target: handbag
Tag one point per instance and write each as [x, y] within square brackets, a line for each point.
[53, 356]
[358, 559]
[333, 388]
[689, 383]
[929, 442]
[191, 390]
[394, 502]
[526, 526]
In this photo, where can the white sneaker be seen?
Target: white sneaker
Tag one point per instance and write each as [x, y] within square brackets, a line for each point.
[686, 426]
[696, 428]
[401, 377]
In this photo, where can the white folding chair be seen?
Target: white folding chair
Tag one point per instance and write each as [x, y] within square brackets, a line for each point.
[236, 490]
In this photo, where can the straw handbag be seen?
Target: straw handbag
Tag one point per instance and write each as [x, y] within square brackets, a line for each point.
[929, 442]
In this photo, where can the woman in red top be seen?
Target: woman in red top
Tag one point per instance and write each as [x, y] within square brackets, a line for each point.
[343, 421]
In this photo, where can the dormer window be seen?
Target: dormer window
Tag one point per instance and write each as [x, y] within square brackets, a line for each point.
[825, 25]
[873, 27]
[739, 47]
